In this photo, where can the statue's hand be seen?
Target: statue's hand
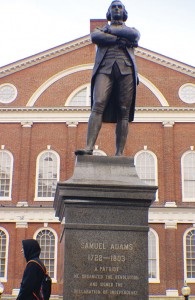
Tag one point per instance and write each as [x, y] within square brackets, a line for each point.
[132, 44]
[121, 42]
[107, 29]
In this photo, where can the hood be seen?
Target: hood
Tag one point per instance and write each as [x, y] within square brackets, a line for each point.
[31, 249]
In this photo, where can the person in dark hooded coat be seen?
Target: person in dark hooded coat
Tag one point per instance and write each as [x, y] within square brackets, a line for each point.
[33, 274]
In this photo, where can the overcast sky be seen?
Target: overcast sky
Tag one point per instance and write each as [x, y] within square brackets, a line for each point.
[28, 27]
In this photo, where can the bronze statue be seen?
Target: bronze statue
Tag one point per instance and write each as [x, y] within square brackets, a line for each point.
[114, 78]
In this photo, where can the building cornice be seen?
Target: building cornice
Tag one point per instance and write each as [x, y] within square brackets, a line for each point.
[44, 56]
[30, 214]
[165, 61]
[171, 215]
[29, 115]
[84, 41]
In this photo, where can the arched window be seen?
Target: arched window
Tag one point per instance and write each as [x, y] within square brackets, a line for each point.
[80, 96]
[188, 176]
[47, 175]
[146, 167]
[153, 256]
[6, 172]
[4, 242]
[47, 239]
[189, 255]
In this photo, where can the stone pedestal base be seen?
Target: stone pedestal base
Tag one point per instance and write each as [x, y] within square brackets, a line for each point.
[106, 230]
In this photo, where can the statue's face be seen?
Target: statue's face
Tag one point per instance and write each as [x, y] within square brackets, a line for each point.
[116, 10]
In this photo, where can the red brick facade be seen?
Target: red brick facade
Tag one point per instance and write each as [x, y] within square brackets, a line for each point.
[38, 118]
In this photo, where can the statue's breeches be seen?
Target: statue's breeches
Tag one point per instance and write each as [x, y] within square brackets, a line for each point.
[103, 92]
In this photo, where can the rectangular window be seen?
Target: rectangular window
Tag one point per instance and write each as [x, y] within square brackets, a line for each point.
[3, 254]
[188, 176]
[6, 162]
[47, 175]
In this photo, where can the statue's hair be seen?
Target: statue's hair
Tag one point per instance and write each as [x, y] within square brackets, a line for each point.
[125, 13]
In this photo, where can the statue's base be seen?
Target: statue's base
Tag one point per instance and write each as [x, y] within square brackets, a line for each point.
[106, 230]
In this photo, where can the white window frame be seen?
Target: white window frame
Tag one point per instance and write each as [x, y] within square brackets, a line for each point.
[185, 199]
[4, 279]
[155, 167]
[80, 88]
[11, 176]
[189, 280]
[157, 279]
[37, 175]
[54, 279]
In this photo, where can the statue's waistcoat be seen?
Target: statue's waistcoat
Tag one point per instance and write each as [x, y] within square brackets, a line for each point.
[117, 55]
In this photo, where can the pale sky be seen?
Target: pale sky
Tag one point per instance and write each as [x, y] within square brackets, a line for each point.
[28, 27]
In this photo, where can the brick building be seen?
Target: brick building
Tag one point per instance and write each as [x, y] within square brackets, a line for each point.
[44, 109]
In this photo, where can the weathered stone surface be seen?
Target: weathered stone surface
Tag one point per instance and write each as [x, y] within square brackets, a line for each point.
[106, 230]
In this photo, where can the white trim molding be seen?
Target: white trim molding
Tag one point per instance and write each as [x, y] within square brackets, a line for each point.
[72, 124]
[37, 214]
[165, 61]
[170, 225]
[175, 215]
[21, 224]
[172, 293]
[55, 78]
[154, 90]
[26, 124]
[168, 124]
[44, 56]
[81, 68]
[81, 114]
[85, 41]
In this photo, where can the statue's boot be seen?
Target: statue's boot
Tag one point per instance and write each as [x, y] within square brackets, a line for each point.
[122, 128]
[94, 126]
[83, 152]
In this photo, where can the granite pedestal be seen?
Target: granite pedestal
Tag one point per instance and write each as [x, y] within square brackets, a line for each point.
[105, 206]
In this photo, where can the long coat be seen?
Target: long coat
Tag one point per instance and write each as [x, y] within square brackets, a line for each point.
[33, 275]
[103, 38]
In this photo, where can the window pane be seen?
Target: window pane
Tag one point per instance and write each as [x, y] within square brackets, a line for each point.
[152, 255]
[145, 167]
[5, 174]
[46, 240]
[189, 175]
[2, 253]
[47, 177]
[80, 99]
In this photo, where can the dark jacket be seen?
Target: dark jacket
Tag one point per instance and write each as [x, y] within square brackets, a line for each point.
[104, 38]
[33, 274]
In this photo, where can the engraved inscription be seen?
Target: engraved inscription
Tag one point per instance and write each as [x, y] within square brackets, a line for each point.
[105, 292]
[106, 274]
[95, 246]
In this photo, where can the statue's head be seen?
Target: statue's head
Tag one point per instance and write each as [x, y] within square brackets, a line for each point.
[117, 11]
